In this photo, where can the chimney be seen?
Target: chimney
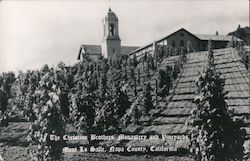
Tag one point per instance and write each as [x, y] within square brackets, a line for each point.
[216, 33]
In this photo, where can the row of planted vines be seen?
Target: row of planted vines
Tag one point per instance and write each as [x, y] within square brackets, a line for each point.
[94, 97]
[216, 133]
[243, 52]
[105, 96]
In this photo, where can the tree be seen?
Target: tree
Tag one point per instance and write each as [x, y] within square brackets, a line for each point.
[134, 62]
[164, 79]
[150, 62]
[183, 56]
[4, 100]
[45, 69]
[3, 107]
[133, 81]
[106, 119]
[82, 111]
[121, 101]
[139, 76]
[134, 113]
[6, 81]
[83, 98]
[232, 42]
[216, 134]
[177, 69]
[211, 64]
[29, 95]
[112, 110]
[243, 53]
[189, 47]
[147, 98]
[162, 53]
[103, 80]
[21, 89]
[147, 72]
[63, 79]
[49, 121]
[103, 87]
[124, 69]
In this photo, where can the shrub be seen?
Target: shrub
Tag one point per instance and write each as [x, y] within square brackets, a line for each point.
[49, 122]
[134, 113]
[164, 79]
[176, 69]
[112, 110]
[147, 98]
[6, 81]
[4, 121]
[189, 47]
[216, 134]
[106, 120]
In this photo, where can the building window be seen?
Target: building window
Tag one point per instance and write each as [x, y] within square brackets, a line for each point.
[112, 29]
[113, 50]
[182, 43]
[173, 43]
[182, 34]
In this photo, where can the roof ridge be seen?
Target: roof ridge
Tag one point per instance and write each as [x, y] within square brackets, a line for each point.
[90, 45]
[213, 35]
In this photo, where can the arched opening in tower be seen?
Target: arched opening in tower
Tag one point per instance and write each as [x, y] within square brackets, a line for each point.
[111, 29]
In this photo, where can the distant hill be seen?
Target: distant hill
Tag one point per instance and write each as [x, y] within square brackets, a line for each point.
[242, 33]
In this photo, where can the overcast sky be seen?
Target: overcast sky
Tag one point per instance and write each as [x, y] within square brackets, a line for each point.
[33, 33]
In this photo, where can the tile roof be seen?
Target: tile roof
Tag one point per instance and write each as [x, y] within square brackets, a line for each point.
[97, 49]
[213, 37]
[127, 49]
[93, 49]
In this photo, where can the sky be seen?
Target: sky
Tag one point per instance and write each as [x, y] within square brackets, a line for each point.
[38, 32]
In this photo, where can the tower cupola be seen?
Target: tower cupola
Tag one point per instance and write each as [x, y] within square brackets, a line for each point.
[111, 44]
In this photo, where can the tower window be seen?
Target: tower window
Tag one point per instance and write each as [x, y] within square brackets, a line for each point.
[113, 50]
[112, 29]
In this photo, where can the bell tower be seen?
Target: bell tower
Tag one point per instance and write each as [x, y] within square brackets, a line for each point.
[111, 44]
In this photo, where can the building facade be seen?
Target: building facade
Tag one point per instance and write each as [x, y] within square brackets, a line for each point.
[111, 43]
[180, 39]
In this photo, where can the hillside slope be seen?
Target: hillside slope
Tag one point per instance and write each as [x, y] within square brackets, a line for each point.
[171, 115]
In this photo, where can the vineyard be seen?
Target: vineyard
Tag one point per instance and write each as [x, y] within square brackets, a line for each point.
[199, 94]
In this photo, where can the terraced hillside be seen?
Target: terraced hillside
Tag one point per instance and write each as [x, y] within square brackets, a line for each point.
[237, 85]
[172, 113]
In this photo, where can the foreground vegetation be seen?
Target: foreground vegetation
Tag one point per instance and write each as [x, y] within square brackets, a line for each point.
[102, 97]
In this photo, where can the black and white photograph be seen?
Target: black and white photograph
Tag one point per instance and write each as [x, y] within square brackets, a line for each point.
[124, 80]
